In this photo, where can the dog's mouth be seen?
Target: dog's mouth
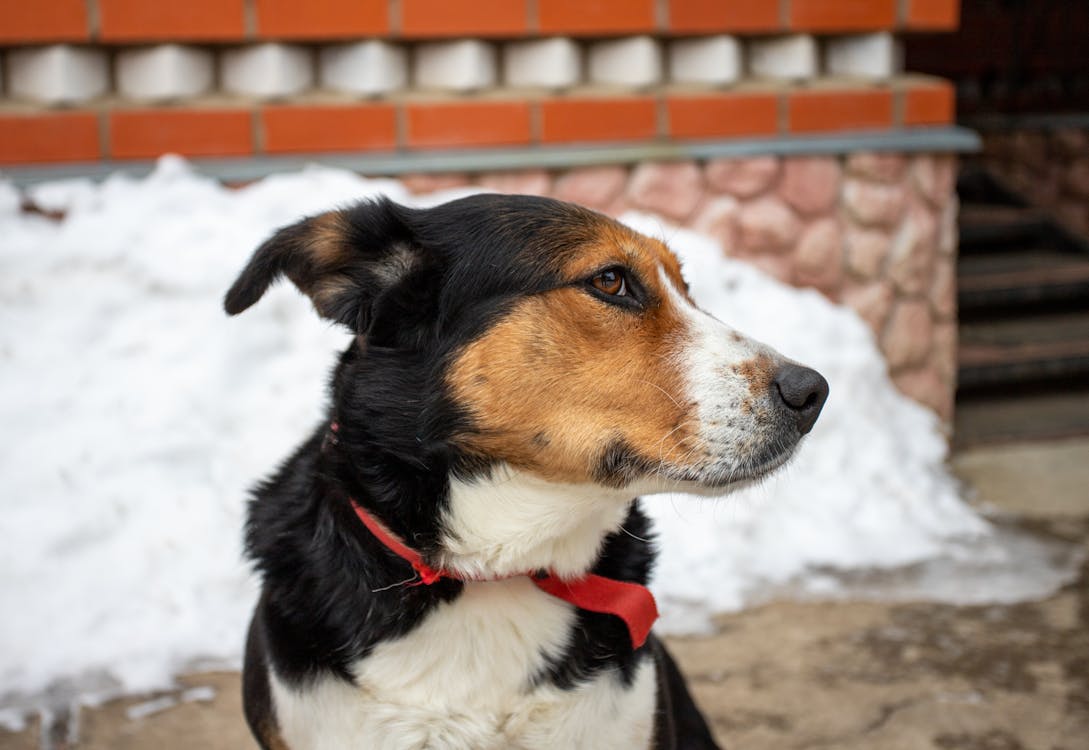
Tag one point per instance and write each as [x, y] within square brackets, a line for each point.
[750, 471]
[717, 477]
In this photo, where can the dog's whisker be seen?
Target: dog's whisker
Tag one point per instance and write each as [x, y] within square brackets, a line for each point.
[633, 536]
[405, 582]
[665, 392]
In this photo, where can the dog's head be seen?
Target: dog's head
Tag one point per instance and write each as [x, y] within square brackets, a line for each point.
[533, 334]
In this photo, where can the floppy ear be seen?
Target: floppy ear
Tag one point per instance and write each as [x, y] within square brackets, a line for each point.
[342, 260]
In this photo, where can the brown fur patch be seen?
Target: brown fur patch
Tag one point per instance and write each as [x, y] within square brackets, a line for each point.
[759, 372]
[328, 245]
[587, 374]
[327, 252]
[271, 738]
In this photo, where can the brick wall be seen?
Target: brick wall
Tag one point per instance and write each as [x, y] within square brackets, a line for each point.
[117, 80]
[87, 80]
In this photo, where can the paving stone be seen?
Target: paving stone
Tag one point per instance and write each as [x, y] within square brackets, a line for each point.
[213, 723]
[1038, 480]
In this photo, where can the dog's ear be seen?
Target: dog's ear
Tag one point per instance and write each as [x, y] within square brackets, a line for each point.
[342, 260]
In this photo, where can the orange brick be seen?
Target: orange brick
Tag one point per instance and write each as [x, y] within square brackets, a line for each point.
[933, 15]
[822, 111]
[56, 136]
[321, 19]
[723, 115]
[40, 21]
[696, 16]
[842, 15]
[148, 133]
[446, 18]
[930, 104]
[595, 16]
[574, 120]
[141, 20]
[461, 124]
[363, 127]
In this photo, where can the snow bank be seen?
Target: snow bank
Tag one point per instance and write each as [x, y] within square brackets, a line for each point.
[868, 488]
[135, 416]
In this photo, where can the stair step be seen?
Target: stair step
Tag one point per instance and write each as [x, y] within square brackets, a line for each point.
[1023, 296]
[1021, 350]
[1023, 279]
[986, 227]
[1014, 417]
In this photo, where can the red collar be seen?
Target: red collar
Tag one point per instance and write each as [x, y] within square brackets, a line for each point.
[632, 603]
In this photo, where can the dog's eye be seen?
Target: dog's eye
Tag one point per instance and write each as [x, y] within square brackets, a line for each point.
[611, 282]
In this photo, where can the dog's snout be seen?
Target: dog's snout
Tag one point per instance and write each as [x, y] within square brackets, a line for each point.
[803, 392]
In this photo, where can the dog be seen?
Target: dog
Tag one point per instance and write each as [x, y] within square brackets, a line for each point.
[456, 557]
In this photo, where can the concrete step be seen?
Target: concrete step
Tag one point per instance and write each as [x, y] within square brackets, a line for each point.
[1024, 350]
[984, 226]
[1017, 281]
[1028, 416]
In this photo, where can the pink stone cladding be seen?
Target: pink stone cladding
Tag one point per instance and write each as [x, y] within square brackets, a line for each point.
[1048, 167]
[876, 232]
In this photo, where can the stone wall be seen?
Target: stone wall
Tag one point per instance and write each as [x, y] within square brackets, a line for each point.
[876, 232]
[1049, 167]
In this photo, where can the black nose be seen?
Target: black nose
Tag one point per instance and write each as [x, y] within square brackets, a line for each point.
[803, 392]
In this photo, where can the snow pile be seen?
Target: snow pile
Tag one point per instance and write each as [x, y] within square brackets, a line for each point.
[868, 487]
[136, 416]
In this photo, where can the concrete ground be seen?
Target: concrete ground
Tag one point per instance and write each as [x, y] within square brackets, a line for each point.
[789, 675]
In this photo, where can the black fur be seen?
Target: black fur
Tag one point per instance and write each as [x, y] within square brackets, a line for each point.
[328, 594]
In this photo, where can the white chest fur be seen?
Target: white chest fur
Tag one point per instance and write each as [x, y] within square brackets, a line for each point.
[462, 681]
